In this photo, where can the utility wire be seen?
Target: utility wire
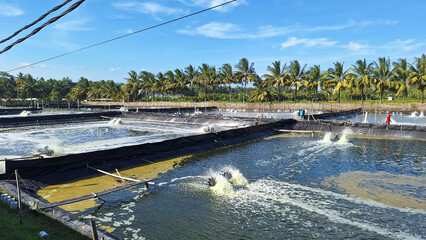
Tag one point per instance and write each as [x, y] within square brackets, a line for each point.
[122, 36]
[36, 21]
[52, 20]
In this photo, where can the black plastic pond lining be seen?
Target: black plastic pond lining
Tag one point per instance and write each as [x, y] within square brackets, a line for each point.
[55, 119]
[327, 115]
[70, 167]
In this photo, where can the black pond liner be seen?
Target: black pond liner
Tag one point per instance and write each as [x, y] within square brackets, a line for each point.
[11, 111]
[33, 120]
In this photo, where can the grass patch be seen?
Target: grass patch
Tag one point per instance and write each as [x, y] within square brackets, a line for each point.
[33, 223]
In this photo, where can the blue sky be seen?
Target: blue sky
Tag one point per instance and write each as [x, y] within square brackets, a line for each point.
[313, 32]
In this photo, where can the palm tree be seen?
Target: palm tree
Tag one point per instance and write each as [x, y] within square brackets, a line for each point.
[148, 84]
[401, 75]
[363, 75]
[339, 76]
[208, 77]
[27, 85]
[261, 92]
[277, 76]
[7, 86]
[80, 91]
[133, 85]
[295, 75]
[246, 73]
[418, 74]
[160, 84]
[170, 82]
[313, 79]
[181, 81]
[228, 77]
[382, 74]
[191, 73]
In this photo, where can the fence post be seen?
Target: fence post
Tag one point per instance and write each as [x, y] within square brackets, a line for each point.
[94, 232]
[19, 196]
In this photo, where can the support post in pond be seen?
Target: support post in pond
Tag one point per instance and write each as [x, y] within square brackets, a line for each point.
[19, 196]
[94, 232]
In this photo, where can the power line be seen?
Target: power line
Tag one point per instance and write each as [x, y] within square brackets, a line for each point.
[52, 20]
[36, 21]
[123, 36]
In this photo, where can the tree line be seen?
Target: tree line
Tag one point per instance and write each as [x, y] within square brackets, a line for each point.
[291, 81]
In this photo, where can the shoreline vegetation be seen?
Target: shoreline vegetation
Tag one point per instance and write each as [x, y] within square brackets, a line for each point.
[292, 82]
[33, 223]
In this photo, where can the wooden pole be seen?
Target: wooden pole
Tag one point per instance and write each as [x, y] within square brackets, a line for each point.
[19, 196]
[94, 232]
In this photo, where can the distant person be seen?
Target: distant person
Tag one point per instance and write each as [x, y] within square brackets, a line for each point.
[388, 119]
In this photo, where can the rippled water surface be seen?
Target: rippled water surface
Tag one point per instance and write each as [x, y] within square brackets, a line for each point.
[85, 137]
[298, 188]
[413, 118]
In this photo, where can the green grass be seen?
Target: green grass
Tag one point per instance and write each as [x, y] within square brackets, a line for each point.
[33, 223]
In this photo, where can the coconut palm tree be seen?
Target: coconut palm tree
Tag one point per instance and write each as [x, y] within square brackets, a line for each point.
[160, 85]
[228, 77]
[339, 76]
[261, 92]
[148, 84]
[401, 77]
[363, 75]
[246, 73]
[181, 81]
[418, 74]
[276, 76]
[191, 73]
[80, 91]
[133, 85]
[382, 74]
[313, 79]
[27, 84]
[7, 86]
[295, 74]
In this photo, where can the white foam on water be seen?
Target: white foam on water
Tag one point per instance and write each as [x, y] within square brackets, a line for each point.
[222, 187]
[422, 114]
[25, 113]
[414, 114]
[115, 121]
[268, 193]
[365, 118]
[237, 178]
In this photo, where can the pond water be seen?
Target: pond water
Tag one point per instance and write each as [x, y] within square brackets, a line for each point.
[398, 118]
[85, 137]
[286, 187]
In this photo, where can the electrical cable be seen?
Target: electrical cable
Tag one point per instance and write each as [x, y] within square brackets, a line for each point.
[122, 36]
[36, 21]
[52, 20]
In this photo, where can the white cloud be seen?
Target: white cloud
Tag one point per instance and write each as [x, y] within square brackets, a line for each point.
[353, 46]
[214, 30]
[403, 45]
[73, 25]
[358, 48]
[225, 30]
[231, 31]
[151, 8]
[114, 69]
[317, 42]
[7, 10]
[24, 64]
[211, 3]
